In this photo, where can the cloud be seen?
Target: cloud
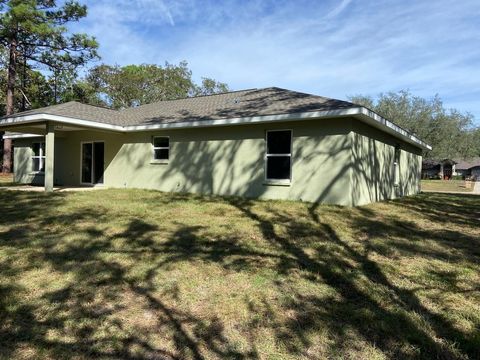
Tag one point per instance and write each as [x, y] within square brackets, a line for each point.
[333, 48]
[145, 12]
[337, 10]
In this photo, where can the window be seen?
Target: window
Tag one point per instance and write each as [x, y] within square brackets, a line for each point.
[396, 165]
[38, 158]
[278, 155]
[161, 148]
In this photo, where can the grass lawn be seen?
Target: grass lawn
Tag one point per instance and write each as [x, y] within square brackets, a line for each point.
[445, 185]
[6, 180]
[146, 275]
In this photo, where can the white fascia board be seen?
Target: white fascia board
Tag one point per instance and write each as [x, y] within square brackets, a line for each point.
[371, 118]
[361, 113]
[21, 136]
[61, 119]
[246, 120]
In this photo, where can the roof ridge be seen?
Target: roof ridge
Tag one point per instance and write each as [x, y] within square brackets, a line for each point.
[93, 105]
[310, 94]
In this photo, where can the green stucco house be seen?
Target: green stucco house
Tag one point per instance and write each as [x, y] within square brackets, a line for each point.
[267, 143]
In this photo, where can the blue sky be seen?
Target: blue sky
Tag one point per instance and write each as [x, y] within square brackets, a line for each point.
[333, 48]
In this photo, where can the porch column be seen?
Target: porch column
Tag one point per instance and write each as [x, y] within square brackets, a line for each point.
[49, 156]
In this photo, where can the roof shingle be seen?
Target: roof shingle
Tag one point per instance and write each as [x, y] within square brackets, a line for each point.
[245, 103]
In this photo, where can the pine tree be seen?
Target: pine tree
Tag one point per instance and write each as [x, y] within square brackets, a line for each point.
[34, 31]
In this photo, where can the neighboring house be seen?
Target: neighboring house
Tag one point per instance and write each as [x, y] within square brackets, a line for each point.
[259, 143]
[438, 169]
[446, 168]
[468, 168]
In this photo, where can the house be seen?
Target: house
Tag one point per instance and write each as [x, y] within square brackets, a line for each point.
[446, 168]
[468, 168]
[438, 169]
[259, 143]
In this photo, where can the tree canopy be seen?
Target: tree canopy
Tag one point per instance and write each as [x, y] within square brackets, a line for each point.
[34, 32]
[106, 85]
[450, 132]
[134, 85]
[40, 59]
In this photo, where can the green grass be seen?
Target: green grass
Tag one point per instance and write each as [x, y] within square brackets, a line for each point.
[446, 185]
[146, 275]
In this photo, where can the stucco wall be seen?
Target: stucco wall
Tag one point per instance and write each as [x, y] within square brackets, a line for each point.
[23, 161]
[326, 166]
[373, 166]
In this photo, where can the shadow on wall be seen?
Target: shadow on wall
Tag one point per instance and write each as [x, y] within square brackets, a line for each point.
[375, 177]
[117, 302]
[205, 167]
[333, 165]
[213, 164]
[216, 167]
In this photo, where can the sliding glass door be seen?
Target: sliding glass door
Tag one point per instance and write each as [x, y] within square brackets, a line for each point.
[92, 162]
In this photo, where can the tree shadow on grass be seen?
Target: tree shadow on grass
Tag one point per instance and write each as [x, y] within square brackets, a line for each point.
[389, 328]
[83, 317]
[455, 208]
[112, 276]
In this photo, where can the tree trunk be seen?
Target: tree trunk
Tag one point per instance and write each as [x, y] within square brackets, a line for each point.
[24, 83]
[12, 73]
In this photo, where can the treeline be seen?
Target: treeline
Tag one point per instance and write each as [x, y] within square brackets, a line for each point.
[451, 133]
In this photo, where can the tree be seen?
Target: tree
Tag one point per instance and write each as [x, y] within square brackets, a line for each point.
[209, 87]
[34, 31]
[134, 85]
[449, 132]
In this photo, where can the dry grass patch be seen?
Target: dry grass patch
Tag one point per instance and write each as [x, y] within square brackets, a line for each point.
[143, 274]
[6, 179]
[446, 185]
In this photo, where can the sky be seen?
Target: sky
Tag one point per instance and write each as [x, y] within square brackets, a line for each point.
[334, 48]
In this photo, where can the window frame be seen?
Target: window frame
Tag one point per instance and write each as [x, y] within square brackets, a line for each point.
[397, 154]
[41, 157]
[284, 182]
[91, 183]
[160, 161]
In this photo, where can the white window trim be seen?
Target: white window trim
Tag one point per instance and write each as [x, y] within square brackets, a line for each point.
[160, 161]
[40, 157]
[396, 165]
[284, 182]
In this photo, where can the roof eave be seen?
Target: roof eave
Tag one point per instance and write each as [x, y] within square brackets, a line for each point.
[35, 118]
[380, 122]
[361, 113]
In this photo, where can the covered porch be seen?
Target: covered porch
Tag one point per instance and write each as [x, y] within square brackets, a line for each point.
[44, 154]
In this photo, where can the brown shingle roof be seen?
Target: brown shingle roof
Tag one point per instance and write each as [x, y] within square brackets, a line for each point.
[467, 164]
[74, 109]
[459, 163]
[245, 103]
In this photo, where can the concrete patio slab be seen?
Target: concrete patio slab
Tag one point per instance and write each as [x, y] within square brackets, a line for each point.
[55, 189]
